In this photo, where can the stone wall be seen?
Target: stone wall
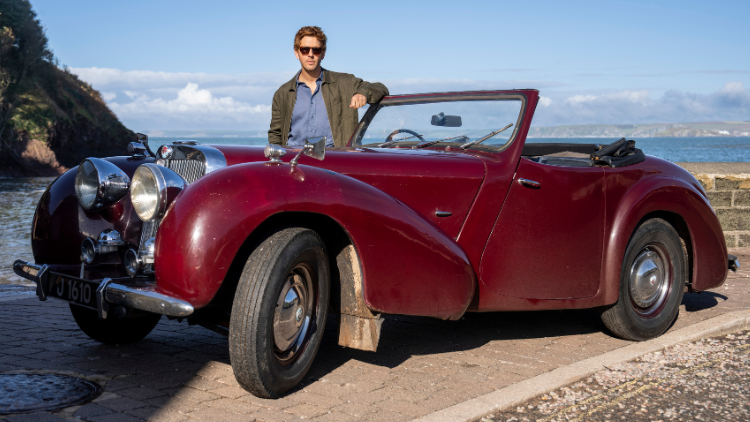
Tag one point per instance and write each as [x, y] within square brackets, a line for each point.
[728, 188]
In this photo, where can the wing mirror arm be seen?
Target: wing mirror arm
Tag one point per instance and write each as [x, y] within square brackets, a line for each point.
[315, 149]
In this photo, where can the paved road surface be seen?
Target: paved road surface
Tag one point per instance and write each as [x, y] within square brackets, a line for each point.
[707, 380]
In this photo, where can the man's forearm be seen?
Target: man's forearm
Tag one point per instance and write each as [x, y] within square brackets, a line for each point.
[374, 92]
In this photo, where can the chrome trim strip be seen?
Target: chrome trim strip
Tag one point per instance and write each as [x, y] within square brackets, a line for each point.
[449, 97]
[113, 293]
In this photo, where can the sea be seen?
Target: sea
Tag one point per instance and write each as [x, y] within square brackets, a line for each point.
[686, 149]
[19, 196]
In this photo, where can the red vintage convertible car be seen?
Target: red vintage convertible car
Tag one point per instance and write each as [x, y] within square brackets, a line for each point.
[436, 207]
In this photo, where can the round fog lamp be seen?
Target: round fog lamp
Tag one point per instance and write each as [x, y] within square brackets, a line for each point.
[88, 251]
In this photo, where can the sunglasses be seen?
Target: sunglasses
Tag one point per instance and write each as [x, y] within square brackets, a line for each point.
[306, 50]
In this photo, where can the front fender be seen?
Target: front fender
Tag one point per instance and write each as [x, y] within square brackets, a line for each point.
[665, 193]
[409, 266]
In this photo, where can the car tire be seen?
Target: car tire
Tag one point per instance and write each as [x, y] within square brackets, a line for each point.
[114, 330]
[279, 312]
[652, 283]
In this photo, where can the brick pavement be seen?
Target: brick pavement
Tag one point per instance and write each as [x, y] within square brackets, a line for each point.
[182, 373]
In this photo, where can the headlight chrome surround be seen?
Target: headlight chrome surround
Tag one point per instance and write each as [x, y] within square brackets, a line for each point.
[153, 189]
[100, 183]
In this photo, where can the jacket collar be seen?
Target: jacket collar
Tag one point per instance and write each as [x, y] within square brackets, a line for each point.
[328, 78]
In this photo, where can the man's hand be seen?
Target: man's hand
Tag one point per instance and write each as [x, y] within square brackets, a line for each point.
[358, 100]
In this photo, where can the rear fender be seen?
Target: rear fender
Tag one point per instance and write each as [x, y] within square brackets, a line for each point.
[652, 196]
[408, 265]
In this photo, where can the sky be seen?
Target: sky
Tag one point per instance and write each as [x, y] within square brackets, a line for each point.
[197, 65]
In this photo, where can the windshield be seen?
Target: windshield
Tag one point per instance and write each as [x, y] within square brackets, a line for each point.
[485, 124]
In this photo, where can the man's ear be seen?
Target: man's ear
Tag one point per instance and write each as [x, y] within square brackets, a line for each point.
[323, 55]
[296, 53]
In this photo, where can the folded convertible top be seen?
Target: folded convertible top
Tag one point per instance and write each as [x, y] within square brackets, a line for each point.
[620, 153]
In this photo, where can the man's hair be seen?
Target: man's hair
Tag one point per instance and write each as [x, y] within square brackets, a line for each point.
[310, 31]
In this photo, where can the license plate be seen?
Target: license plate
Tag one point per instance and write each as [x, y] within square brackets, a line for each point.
[73, 289]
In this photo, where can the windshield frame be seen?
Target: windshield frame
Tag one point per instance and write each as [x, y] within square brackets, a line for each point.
[443, 97]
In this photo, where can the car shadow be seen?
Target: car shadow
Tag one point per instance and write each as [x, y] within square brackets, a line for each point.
[695, 302]
[403, 337]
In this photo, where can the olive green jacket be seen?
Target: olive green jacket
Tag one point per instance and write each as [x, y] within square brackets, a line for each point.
[338, 90]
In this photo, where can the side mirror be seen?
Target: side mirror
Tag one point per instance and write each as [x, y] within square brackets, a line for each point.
[441, 119]
[314, 147]
[143, 140]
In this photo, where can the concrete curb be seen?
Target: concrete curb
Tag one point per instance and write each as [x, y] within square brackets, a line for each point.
[518, 393]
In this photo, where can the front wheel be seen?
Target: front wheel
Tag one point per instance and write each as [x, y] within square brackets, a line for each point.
[114, 330]
[279, 312]
[652, 282]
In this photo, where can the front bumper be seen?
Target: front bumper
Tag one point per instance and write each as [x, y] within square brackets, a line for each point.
[138, 296]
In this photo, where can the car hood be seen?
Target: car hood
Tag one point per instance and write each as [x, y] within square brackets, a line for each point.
[428, 181]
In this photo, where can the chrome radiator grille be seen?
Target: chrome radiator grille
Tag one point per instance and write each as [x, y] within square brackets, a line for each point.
[190, 170]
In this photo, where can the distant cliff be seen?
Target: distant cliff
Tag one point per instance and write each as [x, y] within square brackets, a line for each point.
[49, 119]
[644, 131]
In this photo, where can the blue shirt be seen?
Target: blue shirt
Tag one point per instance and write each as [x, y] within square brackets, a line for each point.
[309, 117]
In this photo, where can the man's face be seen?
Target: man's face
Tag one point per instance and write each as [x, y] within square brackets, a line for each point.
[310, 62]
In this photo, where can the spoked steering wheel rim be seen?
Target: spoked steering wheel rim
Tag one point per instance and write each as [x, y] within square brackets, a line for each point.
[409, 131]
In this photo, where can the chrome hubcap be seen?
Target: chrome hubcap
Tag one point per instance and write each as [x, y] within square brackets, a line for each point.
[649, 279]
[293, 314]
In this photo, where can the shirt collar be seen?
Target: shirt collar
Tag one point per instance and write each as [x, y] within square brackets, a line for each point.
[320, 77]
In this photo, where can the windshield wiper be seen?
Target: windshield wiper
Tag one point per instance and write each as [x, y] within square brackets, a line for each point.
[428, 143]
[385, 144]
[480, 140]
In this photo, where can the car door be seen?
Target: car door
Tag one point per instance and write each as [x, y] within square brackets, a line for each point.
[547, 240]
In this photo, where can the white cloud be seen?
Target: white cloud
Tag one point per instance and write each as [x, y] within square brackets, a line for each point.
[192, 108]
[151, 100]
[732, 102]
[632, 96]
[578, 99]
[545, 101]
[108, 96]
[733, 88]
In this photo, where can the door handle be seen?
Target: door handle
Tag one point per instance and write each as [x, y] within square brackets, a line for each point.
[529, 183]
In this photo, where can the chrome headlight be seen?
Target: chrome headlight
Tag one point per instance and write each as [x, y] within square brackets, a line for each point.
[100, 183]
[153, 189]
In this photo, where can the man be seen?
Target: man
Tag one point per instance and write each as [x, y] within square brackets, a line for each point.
[318, 102]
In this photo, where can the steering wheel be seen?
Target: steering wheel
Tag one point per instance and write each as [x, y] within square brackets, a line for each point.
[409, 131]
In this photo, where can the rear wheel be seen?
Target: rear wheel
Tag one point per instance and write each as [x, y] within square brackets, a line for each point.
[652, 283]
[279, 312]
[114, 330]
